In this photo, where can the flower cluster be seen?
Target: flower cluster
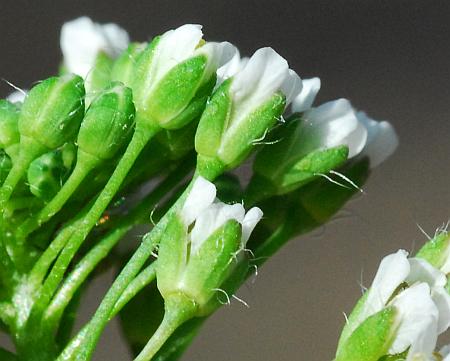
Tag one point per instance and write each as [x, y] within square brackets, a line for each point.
[77, 146]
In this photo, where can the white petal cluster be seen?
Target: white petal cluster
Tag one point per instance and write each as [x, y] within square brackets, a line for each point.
[82, 40]
[416, 290]
[207, 214]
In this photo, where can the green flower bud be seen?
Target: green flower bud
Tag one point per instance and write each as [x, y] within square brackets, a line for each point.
[244, 108]
[108, 123]
[99, 76]
[179, 142]
[123, 68]
[9, 128]
[372, 339]
[53, 110]
[46, 175]
[170, 73]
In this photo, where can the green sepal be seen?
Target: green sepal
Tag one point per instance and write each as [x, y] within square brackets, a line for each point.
[46, 175]
[214, 120]
[172, 256]
[52, 111]
[372, 339]
[108, 123]
[9, 126]
[124, 66]
[210, 265]
[436, 250]
[174, 92]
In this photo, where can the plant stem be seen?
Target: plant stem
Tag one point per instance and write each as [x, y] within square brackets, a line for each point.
[143, 279]
[177, 312]
[140, 138]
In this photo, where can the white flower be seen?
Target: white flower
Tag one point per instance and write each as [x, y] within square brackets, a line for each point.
[231, 67]
[82, 40]
[210, 214]
[423, 309]
[381, 139]
[333, 124]
[305, 99]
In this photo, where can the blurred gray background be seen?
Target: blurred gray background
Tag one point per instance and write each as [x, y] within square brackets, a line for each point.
[390, 58]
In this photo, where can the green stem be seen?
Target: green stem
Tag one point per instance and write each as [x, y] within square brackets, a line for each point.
[7, 356]
[140, 138]
[176, 314]
[85, 163]
[81, 348]
[143, 279]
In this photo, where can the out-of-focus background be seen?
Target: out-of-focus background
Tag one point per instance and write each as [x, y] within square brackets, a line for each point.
[389, 57]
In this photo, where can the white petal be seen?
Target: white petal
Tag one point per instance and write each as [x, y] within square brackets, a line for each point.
[418, 317]
[261, 77]
[201, 196]
[230, 68]
[249, 222]
[82, 40]
[213, 218]
[332, 124]
[422, 271]
[441, 299]
[382, 139]
[421, 350]
[392, 272]
[174, 47]
[305, 99]
[218, 54]
[291, 86]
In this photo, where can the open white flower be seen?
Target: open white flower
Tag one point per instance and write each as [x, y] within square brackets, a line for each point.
[82, 40]
[305, 99]
[422, 307]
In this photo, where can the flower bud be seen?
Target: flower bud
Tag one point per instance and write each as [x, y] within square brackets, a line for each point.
[244, 107]
[200, 242]
[170, 72]
[123, 68]
[295, 160]
[108, 122]
[9, 128]
[52, 112]
[46, 175]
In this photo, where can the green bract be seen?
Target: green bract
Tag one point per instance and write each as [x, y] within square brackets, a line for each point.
[108, 122]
